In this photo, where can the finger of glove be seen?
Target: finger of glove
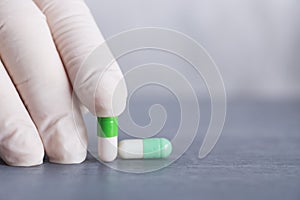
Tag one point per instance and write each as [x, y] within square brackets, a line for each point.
[20, 144]
[76, 36]
[31, 59]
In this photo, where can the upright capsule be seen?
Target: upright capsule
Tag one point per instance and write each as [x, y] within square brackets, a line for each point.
[149, 148]
[107, 131]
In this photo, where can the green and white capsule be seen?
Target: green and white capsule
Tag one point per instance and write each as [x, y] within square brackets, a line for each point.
[149, 148]
[107, 131]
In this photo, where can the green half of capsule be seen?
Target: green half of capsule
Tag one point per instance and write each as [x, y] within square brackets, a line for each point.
[156, 148]
[107, 127]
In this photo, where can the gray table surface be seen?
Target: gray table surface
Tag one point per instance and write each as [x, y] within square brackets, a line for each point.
[257, 157]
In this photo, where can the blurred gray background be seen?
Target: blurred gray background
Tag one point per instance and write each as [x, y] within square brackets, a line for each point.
[255, 43]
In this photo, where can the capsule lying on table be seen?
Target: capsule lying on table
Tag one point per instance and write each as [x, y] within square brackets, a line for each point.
[149, 148]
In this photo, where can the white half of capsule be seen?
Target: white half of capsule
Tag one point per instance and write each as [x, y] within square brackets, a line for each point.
[131, 149]
[107, 148]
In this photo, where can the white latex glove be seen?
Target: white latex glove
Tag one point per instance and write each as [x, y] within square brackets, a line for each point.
[42, 46]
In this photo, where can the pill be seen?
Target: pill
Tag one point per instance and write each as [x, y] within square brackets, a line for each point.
[107, 131]
[149, 148]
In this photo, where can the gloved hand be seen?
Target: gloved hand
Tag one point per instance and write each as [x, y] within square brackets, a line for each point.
[43, 44]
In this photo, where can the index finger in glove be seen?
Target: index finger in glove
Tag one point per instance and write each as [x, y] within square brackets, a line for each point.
[76, 36]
